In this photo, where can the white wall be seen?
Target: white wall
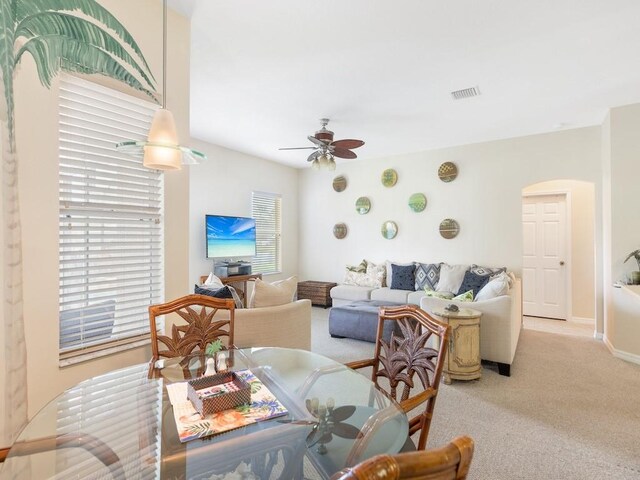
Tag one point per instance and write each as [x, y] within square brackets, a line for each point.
[582, 247]
[622, 163]
[222, 185]
[485, 199]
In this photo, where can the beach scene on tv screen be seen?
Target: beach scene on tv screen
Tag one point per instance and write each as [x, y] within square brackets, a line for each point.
[229, 237]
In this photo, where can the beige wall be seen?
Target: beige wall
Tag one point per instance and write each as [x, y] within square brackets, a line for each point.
[36, 128]
[622, 171]
[222, 186]
[582, 229]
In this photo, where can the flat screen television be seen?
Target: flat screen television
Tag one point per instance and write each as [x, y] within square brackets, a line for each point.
[230, 237]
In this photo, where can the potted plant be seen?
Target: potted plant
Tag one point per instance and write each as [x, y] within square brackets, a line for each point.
[635, 276]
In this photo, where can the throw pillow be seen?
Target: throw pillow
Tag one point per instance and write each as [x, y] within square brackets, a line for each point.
[433, 293]
[376, 274]
[495, 287]
[451, 277]
[267, 294]
[224, 292]
[402, 277]
[390, 273]
[489, 271]
[361, 267]
[465, 297]
[473, 282]
[351, 278]
[427, 276]
[213, 282]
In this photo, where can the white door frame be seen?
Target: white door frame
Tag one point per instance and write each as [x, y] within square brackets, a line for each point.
[567, 238]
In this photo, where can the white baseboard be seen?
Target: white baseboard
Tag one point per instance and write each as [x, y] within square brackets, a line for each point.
[583, 320]
[626, 356]
[597, 335]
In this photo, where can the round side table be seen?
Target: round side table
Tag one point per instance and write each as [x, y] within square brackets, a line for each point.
[462, 361]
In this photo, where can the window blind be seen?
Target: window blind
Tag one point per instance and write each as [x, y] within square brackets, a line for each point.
[134, 435]
[110, 225]
[266, 209]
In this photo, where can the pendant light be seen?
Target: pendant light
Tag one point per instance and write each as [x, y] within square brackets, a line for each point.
[162, 150]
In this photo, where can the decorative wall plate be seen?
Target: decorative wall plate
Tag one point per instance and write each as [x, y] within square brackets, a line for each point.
[363, 205]
[449, 228]
[340, 183]
[389, 229]
[340, 230]
[389, 177]
[417, 202]
[448, 172]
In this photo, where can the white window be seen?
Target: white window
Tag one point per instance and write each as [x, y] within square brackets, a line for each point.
[266, 209]
[111, 233]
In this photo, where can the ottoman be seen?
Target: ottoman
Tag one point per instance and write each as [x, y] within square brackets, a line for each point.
[359, 320]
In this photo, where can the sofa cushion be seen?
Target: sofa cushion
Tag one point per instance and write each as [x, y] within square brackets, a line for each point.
[473, 282]
[386, 294]
[451, 277]
[499, 285]
[267, 294]
[415, 297]
[350, 292]
[427, 275]
[402, 277]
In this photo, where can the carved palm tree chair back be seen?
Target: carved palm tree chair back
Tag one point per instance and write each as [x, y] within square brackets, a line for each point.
[202, 325]
[450, 462]
[410, 361]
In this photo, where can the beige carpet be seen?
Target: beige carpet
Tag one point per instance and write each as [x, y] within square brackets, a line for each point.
[570, 410]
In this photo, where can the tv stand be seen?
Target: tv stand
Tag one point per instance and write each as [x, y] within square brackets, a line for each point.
[239, 282]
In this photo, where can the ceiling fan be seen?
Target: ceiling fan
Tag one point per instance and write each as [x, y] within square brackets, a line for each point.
[326, 148]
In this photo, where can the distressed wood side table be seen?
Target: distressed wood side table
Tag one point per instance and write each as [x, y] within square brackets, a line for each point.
[462, 361]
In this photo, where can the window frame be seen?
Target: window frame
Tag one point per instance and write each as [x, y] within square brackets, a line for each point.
[265, 228]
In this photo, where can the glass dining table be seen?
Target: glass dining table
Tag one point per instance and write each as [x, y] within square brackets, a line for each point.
[122, 425]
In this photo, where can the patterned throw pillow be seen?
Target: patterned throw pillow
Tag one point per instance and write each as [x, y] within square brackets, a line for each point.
[465, 297]
[376, 274]
[473, 282]
[433, 293]
[427, 276]
[402, 277]
[360, 268]
[488, 271]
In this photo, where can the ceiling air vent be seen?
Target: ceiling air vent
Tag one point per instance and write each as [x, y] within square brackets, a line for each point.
[465, 93]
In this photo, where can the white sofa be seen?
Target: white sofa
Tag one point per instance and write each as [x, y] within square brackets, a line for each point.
[287, 325]
[499, 326]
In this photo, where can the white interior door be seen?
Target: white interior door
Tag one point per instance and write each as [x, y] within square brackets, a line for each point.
[543, 261]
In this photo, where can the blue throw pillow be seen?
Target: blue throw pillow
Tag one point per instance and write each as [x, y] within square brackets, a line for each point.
[472, 281]
[223, 292]
[403, 277]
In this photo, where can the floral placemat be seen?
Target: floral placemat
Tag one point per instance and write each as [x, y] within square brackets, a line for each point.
[264, 405]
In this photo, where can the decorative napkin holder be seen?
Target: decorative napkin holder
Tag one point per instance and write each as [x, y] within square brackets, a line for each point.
[215, 393]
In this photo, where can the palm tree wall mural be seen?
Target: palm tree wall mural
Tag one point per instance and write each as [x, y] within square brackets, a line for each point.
[77, 36]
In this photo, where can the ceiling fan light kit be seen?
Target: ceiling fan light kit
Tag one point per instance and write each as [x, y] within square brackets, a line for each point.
[326, 149]
[162, 150]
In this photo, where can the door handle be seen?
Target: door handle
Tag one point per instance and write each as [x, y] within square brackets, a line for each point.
[561, 262]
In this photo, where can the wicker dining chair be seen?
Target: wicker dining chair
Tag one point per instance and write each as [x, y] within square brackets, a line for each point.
[202, 325]
[450, 462]
[406, 356]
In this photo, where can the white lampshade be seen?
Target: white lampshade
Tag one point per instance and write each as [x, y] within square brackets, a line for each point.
[323, 160]
[315, 164]
[162, 151]
[331, 165]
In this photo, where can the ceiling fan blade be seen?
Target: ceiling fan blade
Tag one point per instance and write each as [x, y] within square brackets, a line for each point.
[297, 148]
[343, 153]
[313, 156]
[347, 143]
[319, 143]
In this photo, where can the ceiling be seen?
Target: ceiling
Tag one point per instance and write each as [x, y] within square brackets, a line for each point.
[264, 73]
